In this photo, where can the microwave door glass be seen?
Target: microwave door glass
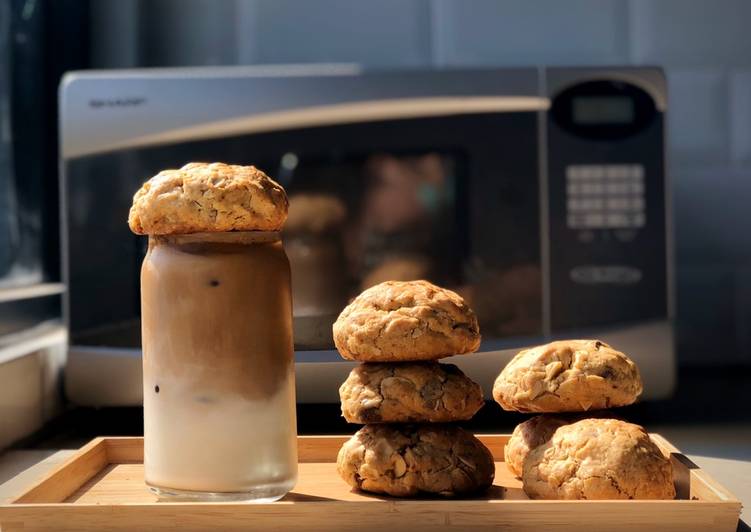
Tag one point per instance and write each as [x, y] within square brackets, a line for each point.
[454, 200]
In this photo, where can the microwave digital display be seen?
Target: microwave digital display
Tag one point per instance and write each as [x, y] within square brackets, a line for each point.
[590, 110]
[603, 110]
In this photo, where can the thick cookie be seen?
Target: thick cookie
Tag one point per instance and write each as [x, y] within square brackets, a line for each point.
[527, 436]
[538, 430]
[409, 392]
[405, 460]
[203, 197]
[598, 459]
[568, 376]
[406, 321]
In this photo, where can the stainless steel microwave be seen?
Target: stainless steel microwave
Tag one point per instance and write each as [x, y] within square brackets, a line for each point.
[540, 194]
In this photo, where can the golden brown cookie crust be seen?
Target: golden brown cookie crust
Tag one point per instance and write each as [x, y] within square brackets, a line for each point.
[598, 459]
[409, 393]
[208, 197]
[405, 460]
[538, 430]
[568, 376]
[527, 436]
[406, 321]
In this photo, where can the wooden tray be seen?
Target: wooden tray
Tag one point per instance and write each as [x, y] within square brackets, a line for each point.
[101, 488]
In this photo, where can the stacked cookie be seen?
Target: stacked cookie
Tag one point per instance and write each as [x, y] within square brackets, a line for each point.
[567, 453]
[405, 399]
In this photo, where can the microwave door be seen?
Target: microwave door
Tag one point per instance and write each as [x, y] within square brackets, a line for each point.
[450, 193]
[468, 164]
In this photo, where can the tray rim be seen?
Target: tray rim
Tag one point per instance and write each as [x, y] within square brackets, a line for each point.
[107, 445]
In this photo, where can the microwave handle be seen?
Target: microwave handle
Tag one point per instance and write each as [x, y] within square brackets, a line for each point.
[324, 115]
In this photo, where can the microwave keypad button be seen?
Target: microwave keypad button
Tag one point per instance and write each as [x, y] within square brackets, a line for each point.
[575, 221]
[617, 188]
[593, 188]
[617, 204]
[573, 173]
[585, 172]
[595, 172]
[594, 220]
[584, 205]
[605, 196]
[617, 172]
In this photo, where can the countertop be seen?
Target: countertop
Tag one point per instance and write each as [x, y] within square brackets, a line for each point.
[707, 419]
[723, 450]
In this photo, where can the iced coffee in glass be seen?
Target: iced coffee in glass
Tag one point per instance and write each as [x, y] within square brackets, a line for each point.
[216, 310]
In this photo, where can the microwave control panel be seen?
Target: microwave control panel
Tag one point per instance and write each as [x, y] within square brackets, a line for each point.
[607, 203]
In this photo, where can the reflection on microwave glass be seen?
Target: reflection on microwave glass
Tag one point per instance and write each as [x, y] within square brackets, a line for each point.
[360, 221]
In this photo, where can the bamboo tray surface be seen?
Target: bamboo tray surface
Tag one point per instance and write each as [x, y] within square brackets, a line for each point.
[101, 488]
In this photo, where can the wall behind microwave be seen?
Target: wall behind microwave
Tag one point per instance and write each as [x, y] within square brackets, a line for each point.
[704, 45]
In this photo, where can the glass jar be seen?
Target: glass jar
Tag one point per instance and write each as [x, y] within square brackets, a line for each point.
[218, 367]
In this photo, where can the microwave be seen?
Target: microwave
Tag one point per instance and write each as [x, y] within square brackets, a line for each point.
[539, 194]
